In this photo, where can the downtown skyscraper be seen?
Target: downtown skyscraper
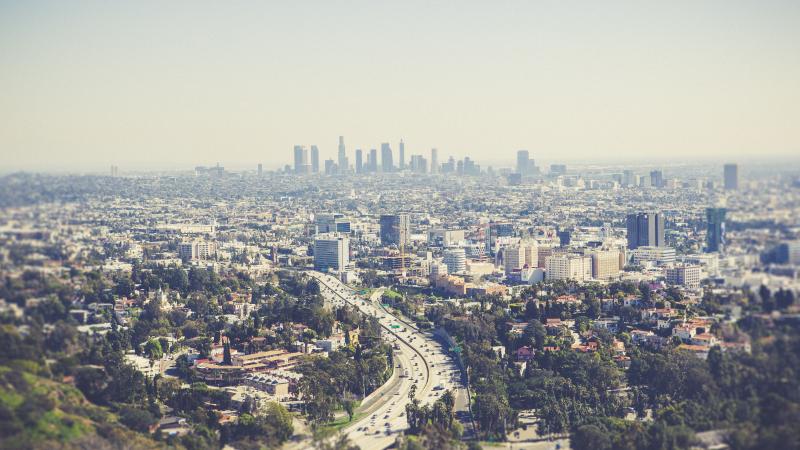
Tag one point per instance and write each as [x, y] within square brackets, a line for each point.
[342, 160]
[402, 149]
[301, 165]
[731, 180]
[359, 160]
[314, 159]
[387, 165]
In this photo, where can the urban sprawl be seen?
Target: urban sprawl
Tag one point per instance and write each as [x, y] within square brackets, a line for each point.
[405, 301]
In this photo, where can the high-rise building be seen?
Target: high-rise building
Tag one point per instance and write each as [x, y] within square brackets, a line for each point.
[645, 229]
[301, 165]
[605, 264]
[434, 160]
[523, 162]
[331, 251]
[419, 164]
[314, 159]
[343, 163]
[787, 252]
[629, 178]
[657, 178]
[373, 160]
[395, 229]
[731, 177]
[330, 167]
[196, 250]
[402, 149]
[387, 165]
[260, 169]
[359, 160]
[715, 229]
[455, 258]
[513, 258]
[558, 169]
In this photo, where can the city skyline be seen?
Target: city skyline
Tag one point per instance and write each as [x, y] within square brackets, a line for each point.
[152, 88]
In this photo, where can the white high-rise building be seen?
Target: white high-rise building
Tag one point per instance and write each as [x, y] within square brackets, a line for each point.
[514, 258]
[605, 264]
[196, 250]
[568, 267]
[331, 251]
[455, 259]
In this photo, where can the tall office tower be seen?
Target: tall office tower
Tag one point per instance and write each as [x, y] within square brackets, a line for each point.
[395, 229]
[523, 162]
[715, 229]
[387, 165]
[449, 166]
[645, 229]
[359, 160]
[786, 253]
[731, 177]
[314, 159]
[434, 160]
[628, 178]
[373, 160]
[301, 165]
[402, 161]
[513, 258]
[331, 251]
[657, 178]
[260, 169]
[455, 259]
[419, 164]
[343, 163]
[330, 167]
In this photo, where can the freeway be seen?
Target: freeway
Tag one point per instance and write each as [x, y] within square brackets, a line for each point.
[418, 357]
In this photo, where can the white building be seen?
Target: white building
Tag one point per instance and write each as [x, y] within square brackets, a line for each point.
[683, 275]
[648, 256]
[568, 267]
[445, 238]
[455, 259]
[605, 264]
[513, 258]
[196, 250]
[331, 251]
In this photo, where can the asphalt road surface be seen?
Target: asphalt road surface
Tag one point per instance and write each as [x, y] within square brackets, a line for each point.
[419, 359]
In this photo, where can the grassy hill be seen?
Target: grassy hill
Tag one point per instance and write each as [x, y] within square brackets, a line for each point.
[39, 413]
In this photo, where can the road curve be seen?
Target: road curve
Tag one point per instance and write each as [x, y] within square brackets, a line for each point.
[437, 372]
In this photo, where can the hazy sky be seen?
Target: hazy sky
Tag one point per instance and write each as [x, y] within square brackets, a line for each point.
[174, 84]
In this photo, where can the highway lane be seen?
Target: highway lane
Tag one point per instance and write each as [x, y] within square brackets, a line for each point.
[426, 363]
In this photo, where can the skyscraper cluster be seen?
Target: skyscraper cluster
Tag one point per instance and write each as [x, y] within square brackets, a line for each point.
[375, 162]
